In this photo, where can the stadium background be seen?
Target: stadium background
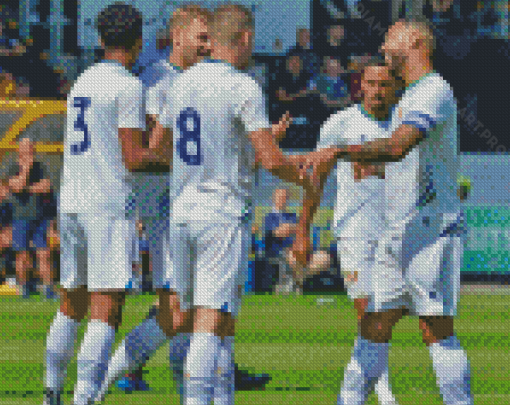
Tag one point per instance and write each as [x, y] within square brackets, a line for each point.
[304, 342]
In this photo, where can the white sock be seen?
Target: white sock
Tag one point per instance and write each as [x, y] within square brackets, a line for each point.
[224, 388]
[368, 362]
[452, 371]
[93, 360]
[59, 350]
[383, 390]
[136, 348]
[200, 366]
[179, 347]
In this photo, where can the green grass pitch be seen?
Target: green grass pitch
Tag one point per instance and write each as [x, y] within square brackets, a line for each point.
[303, 345]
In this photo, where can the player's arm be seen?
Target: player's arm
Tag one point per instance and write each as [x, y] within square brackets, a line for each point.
[428, 108]
[160, 137]
[252, 112]
[132, 123]
[273, 160]
[41, 187]
[393, 149]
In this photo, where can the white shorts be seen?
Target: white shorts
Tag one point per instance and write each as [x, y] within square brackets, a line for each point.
[418, 269]
[97, 251]
[356, 257]
[209, 263]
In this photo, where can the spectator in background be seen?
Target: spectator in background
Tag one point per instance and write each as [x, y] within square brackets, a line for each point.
[30, 189]
[354, 68]
[332, 86]
[279, 229]
[296, 95]
[10, 44]
[303, 47]
[7, 85]
[5, 225]
[5, 216]
[22, 87]
[336, 44]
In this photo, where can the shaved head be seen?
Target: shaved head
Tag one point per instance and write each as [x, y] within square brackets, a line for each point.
[412, 34]
[230, 22]
[408, 48]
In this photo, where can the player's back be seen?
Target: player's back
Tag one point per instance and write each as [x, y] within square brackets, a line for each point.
[95, 178]
[213, 158]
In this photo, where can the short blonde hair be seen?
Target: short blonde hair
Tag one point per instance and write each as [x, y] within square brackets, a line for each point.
[184, 16]
[229, 23]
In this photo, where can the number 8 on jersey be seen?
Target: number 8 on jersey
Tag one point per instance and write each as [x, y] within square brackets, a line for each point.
[189, 136]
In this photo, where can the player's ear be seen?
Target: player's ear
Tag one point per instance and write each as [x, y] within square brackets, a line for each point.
[246, 38]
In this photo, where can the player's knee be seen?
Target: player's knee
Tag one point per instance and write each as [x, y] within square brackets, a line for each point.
[378, 327]
[208, 320]
[228, 325]
[74, 303]
[436, 328]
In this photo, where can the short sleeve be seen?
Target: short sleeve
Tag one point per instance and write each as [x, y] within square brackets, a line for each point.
[165, 117]
[155, 100]
[131, 105]
[429, 105]
[332, 133]
[252, 109]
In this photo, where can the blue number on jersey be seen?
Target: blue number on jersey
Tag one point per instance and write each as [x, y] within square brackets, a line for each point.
[79, 125]
[189, 136]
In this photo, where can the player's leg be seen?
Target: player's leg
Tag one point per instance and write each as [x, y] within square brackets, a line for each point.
[356, 256]
[43, 257]
[111, 243]
[449, 359]
[370, 356]
[224, 387]
[74, 306]
[381, 284]
[436, 307]
[20, 244]
[222, 253]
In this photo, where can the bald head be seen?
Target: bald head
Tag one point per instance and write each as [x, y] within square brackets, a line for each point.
[412, 35]
[408, 48]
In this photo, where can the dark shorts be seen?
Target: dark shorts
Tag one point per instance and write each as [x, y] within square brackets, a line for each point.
[25, 231]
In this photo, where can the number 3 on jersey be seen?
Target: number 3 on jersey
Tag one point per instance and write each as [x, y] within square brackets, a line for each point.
[189, 117]
[79, 125]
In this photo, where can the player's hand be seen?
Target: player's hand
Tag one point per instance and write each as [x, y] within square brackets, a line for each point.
[300, 251]
[364, 170]
[313, 167]
[16, 185]
[280, 129]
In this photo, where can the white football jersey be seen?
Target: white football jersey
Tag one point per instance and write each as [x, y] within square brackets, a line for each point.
[151, 192]
[359, 207]
[157, 93]
[212, 107]
[425, 181]
[105, 97]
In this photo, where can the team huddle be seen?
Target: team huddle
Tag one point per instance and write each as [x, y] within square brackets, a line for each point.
[397, 216]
